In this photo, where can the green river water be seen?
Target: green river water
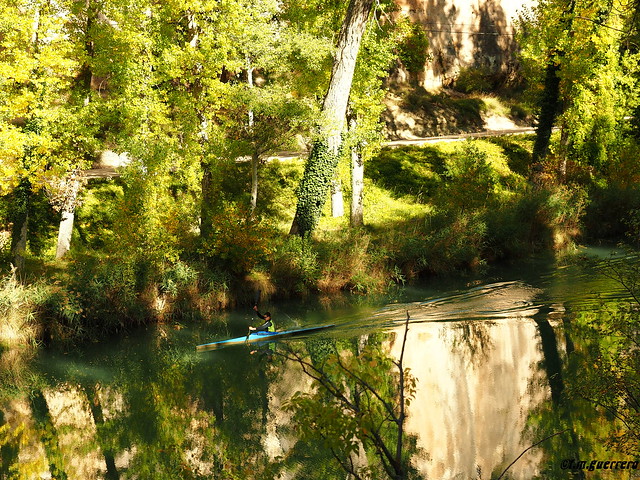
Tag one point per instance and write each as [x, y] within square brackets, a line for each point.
[489, 353]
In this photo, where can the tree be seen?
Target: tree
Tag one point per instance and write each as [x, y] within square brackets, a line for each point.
[38, 68]
[366, 104]
[589, 87]
[360, 400]
[324, 154]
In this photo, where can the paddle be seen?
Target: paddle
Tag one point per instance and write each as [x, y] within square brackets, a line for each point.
[256, 300]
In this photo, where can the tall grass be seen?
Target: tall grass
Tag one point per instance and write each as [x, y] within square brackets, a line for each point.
[20, 331]
[19, 305]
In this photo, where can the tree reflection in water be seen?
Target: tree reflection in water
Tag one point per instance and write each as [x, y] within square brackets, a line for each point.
[357, 407]
[487, 388]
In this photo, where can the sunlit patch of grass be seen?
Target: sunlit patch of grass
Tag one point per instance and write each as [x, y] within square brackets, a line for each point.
[382, 209]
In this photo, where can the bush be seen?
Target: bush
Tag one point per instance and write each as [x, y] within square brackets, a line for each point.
[352, 261]
[295, 267]
[238, 242]
[102, 296]
[471, 180]
[19, 305]
[475, 80]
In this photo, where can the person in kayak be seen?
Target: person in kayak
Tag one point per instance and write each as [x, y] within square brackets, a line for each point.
[267, 326]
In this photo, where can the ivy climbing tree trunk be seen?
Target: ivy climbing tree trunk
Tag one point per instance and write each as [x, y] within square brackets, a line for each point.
[323, 158]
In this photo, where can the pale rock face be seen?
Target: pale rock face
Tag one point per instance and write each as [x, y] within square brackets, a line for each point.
[472, 34]
[110, 159]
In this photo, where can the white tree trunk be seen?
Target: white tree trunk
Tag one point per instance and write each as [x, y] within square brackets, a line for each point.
[337, 202]
[64, 233]
[254, 181]
[68, 214]
[255, 158]
[357, 188]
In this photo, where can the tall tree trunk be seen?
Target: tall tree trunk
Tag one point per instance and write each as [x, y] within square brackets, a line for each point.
[206, 207]
[323, 158]
[357, 184]
[255, 160]
[64, 233]
[20, 220]
[337, 201]
[255, 157]
[549, 109]
[65, 230]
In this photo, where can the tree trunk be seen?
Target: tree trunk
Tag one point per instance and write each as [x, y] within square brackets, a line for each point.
[66, 223]
[323, 158]
[357, 185]
[255, 159]
[549, 109]
[206, 207]
[337, 202]
[20, 220]
[64, 234]
[551, 102]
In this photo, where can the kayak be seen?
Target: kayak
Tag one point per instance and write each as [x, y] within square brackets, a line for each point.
[258, 337]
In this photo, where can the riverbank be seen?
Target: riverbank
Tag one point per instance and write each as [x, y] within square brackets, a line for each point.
[430, 211]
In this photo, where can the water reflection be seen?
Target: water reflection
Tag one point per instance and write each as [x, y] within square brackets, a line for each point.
[491, 361]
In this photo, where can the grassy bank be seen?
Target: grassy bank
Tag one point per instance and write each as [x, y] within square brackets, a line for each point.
[434, 210]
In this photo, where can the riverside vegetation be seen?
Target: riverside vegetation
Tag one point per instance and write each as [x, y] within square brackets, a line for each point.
[431, 210]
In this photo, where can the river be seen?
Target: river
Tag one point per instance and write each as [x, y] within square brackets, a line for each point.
[489, 353]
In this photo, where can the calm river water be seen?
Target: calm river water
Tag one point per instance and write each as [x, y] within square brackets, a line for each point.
[489, 353]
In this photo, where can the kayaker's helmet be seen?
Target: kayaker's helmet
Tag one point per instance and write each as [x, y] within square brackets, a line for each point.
[267, 314]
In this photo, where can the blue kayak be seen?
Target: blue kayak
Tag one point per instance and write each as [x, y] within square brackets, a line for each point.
[260, 337]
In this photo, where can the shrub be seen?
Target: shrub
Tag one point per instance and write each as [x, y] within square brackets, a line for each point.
[413, 49]
[474, 80]
[471, 180]
[295, 267]
[238, 241]
[18, 307]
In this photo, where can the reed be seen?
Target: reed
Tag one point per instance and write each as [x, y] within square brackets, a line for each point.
[19, 305]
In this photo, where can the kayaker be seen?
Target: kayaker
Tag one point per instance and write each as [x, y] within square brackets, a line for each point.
[267, 326]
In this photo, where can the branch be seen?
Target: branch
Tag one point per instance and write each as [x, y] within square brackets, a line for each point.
[529, 448]
[323, 379]
[368, 387]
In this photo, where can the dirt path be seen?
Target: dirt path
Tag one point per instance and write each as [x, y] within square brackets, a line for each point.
[109, 172]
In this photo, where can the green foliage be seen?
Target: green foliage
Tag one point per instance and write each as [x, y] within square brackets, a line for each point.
[295, 265]
[413, 50]
[314, 187]
[408, 170]
[96, 217]
[611, 381]
[238, 242]
[590, 77]
[474, 80]
[471, 180]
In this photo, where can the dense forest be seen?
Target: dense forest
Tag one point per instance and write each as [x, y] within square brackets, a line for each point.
[196, 101]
